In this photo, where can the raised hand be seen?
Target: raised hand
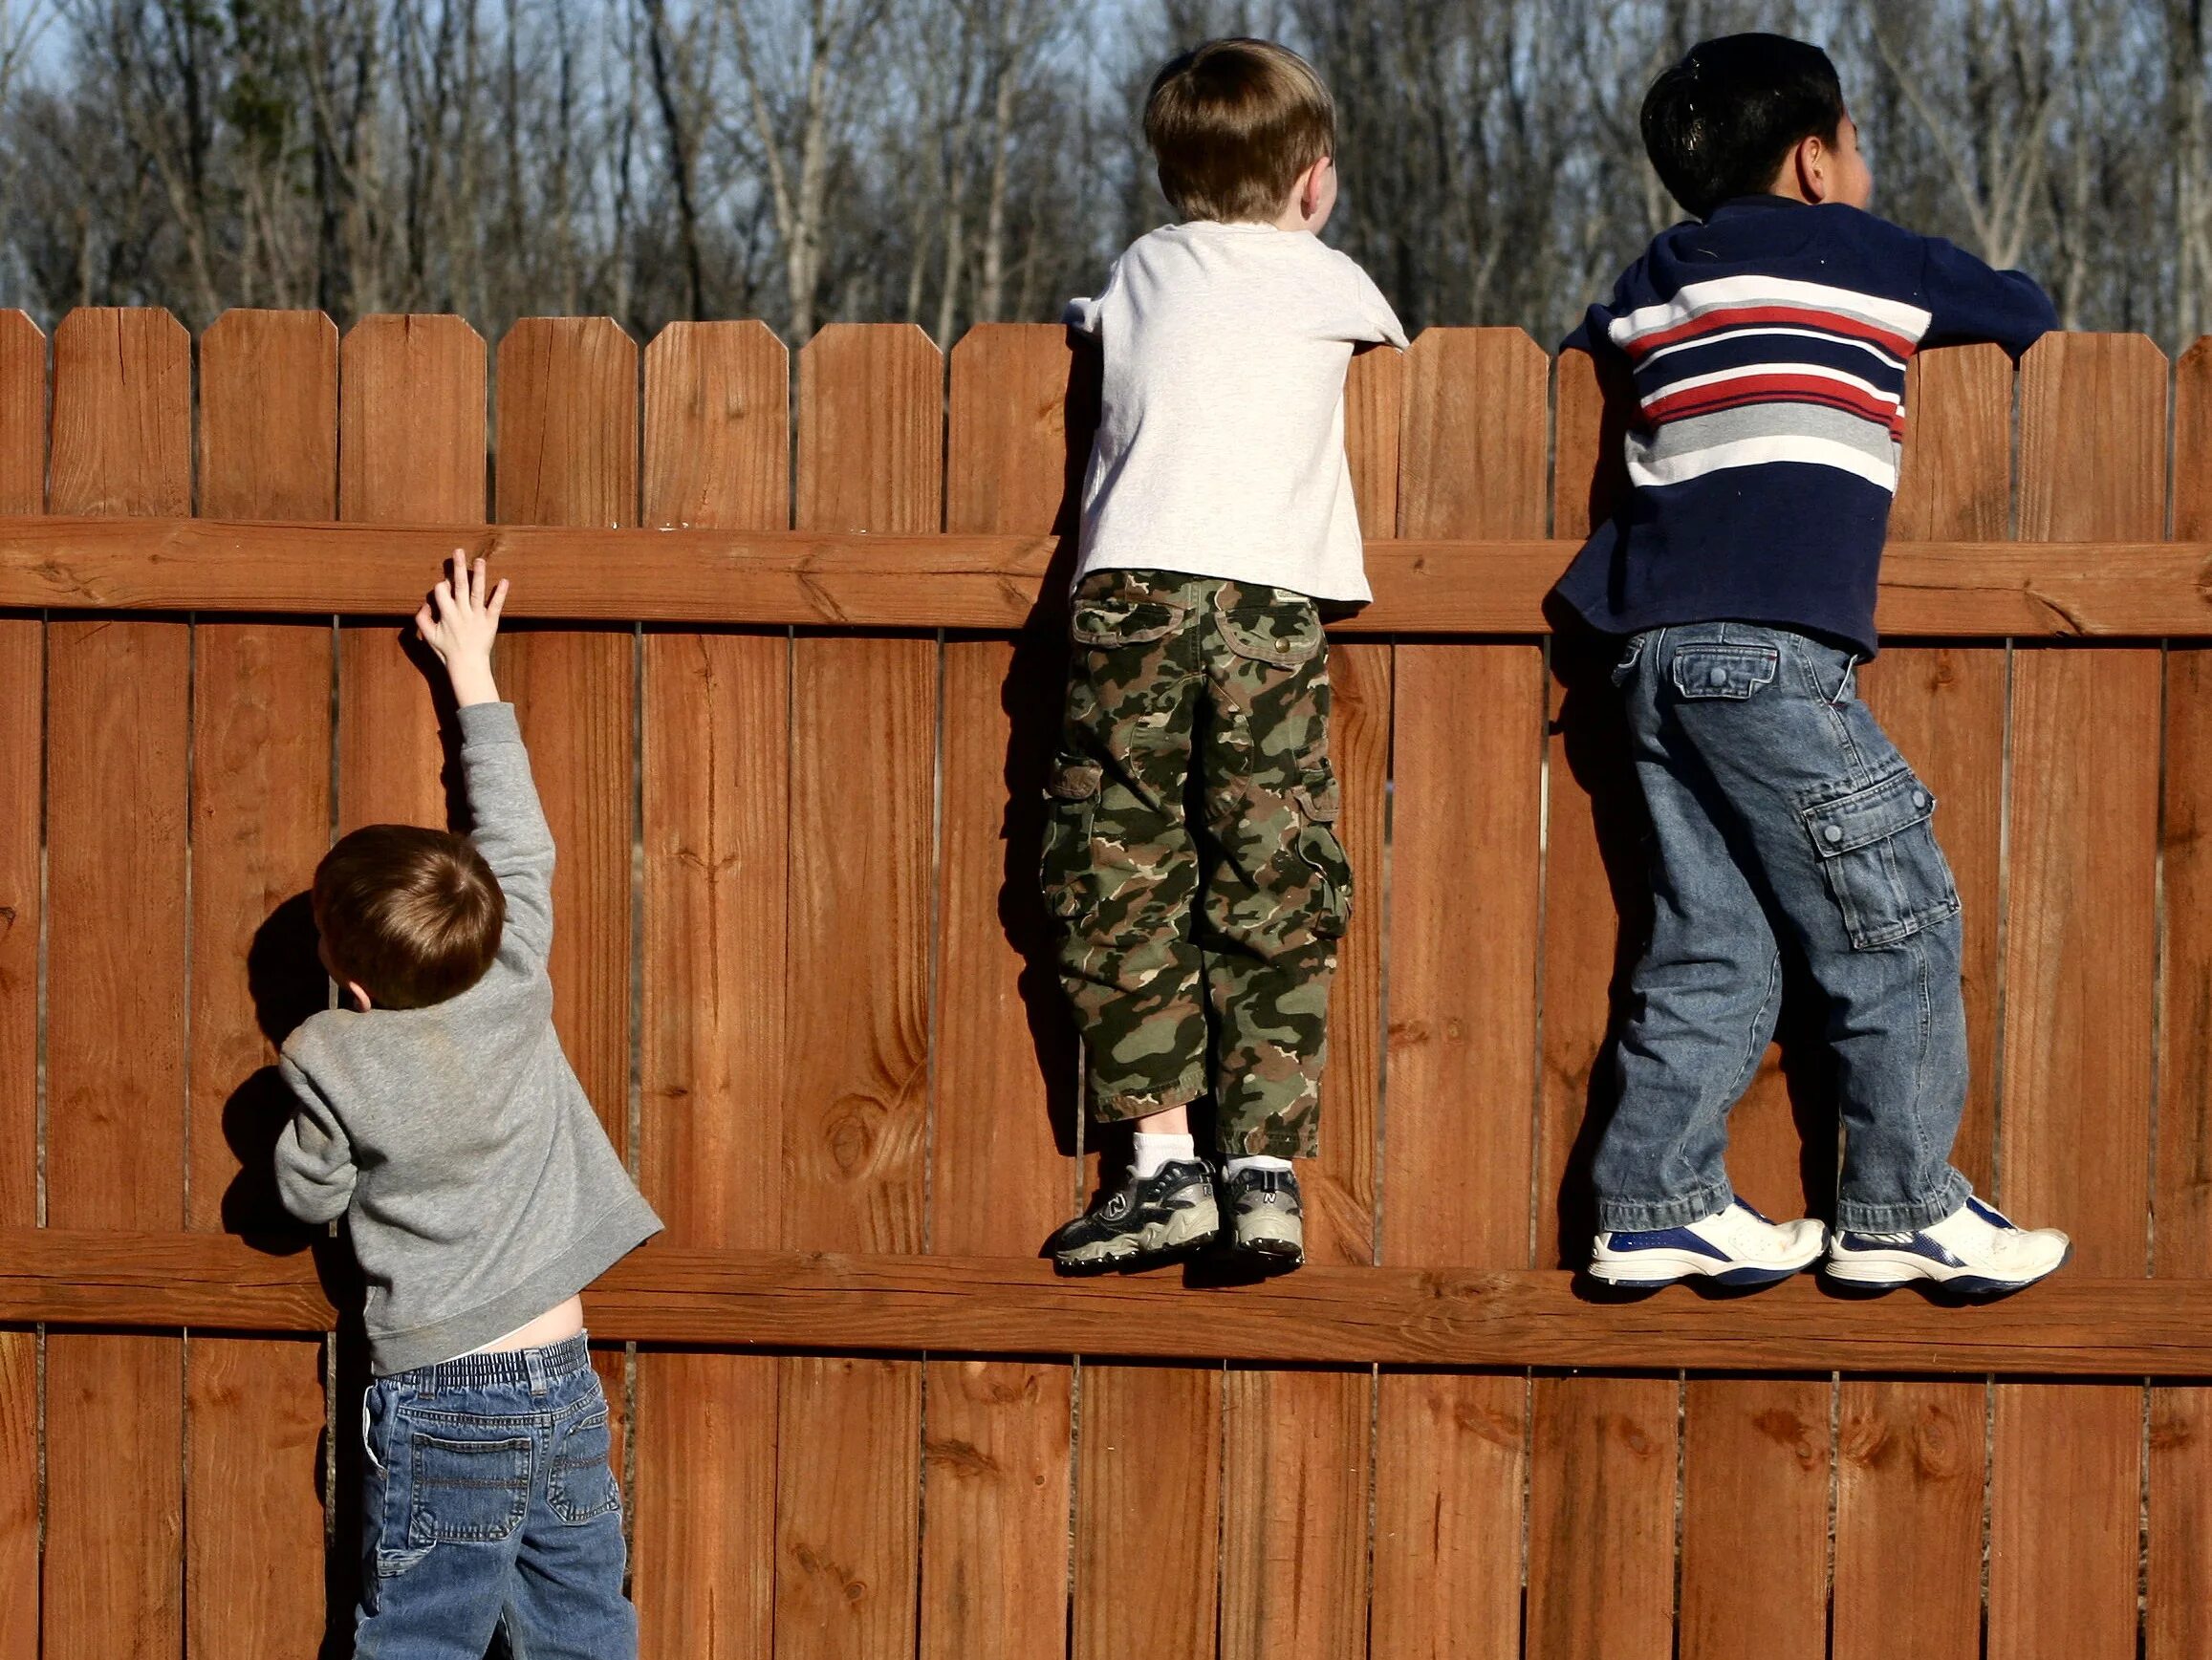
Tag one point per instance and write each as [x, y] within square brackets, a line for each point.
[459, 622]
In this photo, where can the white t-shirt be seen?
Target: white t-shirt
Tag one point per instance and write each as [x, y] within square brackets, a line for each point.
[1221, 434]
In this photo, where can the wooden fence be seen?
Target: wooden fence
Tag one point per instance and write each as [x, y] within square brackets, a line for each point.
[790, 723]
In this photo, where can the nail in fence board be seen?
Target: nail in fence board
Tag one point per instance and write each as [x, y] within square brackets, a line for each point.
[2080, 949]
[117, 705]
[717, 709]
[22, 713]
[1910, 1459]
[2180, 1588]
[1460, 1088]
[857, 976]
[261, 816]
[996, 1459]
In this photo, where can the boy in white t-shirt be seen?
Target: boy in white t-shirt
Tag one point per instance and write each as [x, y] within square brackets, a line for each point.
[1217, 510]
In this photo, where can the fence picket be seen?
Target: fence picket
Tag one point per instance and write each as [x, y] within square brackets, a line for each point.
[118, 698]
[716, 452]
[261, 816]
[22, 766]
[411, 451]
[1461, 1086]
[2180, 1578]
[2079, 961]
[863, 750]
[996, 1460]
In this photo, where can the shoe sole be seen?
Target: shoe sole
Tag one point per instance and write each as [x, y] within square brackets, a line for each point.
[1854, 1277]
[1632, 1275]
[1192, 1228]
[1276, 1240]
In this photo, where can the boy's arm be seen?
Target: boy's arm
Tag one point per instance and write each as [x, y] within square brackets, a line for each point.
[1378, 322]
[1968, 302]
[314, 1157]
[510, 830]
[459, 622]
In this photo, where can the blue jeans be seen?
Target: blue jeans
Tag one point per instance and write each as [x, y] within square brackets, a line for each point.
[490, 1506]
[1780, 811]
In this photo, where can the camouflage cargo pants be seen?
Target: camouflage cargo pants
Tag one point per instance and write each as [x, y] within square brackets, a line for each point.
[1184, 691]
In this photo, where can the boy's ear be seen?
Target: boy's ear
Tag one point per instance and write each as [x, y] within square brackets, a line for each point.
[360, 994]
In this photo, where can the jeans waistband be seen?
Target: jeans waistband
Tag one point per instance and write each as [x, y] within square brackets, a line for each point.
[531, 1368]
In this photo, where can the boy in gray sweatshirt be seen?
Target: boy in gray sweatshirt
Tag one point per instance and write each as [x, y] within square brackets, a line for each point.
[439, 1116]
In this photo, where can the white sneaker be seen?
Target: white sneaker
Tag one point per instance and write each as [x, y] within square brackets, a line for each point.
[1972, 1252]
[1737, 1247]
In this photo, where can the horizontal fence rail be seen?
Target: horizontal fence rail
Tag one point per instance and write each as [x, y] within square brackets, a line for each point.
[785, 643]
[989, 1305]
[1962, 590]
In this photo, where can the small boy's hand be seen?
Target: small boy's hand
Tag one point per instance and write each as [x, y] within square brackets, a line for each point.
[459, 622]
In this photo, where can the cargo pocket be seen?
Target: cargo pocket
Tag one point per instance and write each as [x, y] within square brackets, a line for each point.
[580, 1483]
[1071, 804]
[466, 1492]
[1878, 854]
[1320, 804]
[1104, 623]
[1288, 636]
[1723, 671]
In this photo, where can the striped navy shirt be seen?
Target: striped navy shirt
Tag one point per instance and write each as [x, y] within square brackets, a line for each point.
[1767, 348]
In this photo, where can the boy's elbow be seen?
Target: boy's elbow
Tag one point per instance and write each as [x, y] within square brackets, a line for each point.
[317, 1200]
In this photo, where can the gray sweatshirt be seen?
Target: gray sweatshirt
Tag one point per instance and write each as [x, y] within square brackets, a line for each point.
[479, 1188]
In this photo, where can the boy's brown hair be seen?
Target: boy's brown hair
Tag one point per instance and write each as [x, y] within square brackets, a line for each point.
[1232, 123]
[413, 915]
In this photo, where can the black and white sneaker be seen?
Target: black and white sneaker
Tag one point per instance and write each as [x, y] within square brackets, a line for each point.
[1147, 1219]
[1266, 1219]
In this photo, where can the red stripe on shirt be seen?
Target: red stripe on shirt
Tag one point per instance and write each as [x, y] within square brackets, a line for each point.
[1724, 318]
[1780, 388]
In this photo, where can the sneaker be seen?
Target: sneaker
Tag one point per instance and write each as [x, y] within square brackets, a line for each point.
[1737, 1247]
[1973, 1252]
[1145, 1220]
[1266, 1219]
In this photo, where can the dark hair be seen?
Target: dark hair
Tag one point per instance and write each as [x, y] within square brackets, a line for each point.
[1232, 123]
[1720, 123]
[413, 915]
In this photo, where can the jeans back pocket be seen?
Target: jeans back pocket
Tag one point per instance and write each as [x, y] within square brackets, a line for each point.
[1877, 850]
[463, 1489]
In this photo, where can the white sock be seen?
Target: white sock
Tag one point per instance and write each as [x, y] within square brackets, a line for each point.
[1255, 1161]
[1155, 1151]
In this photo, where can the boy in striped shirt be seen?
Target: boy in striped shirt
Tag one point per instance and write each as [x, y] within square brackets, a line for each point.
[1767, 340]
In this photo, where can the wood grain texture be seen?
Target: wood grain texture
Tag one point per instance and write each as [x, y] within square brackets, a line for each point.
[1293, 1547]
[411, 451]
[864, 740]
[1909, 1465]
[1911, 1458]
[117, 705]
[716, 807]
[566, 453]
[2179, 1586]
[1601, 1533]
[2116, 588]
[1755, 1481]
[261, 816]
[1429, 1318]
[22, 717]
[996, 1456]
[1147, 1550]
[1466, 758]
[2079, 965]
